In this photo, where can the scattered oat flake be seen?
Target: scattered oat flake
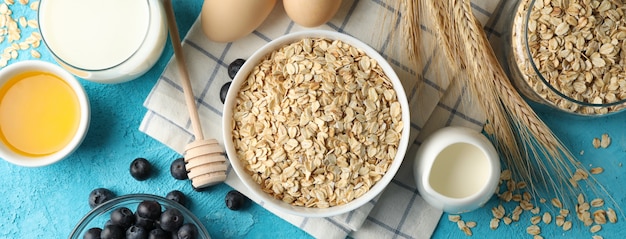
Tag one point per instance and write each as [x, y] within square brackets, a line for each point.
[516, 213]
[596, 170]
[595, 228]
[505, 175]
[533, 230]
[22, 21]
[597, 237]
[24, 2]
[567, 225]
[454, 218]
[9, 2]
[605, 141]
[542, 200]
[494, 223]
[587, 221]
[23, 45]
[596, 143]
[537, 237]
[33, 24]
[34, 6]
[510, 185]
[584, 207]
[470, 224]
[547, 218]
[564, 212]
[560, 220]
[460, 224]
[497, 213]
[526, 205]
[581, 198]
[582, 173]
[610, 213]
[506, 196]
[598, 202]
[35, 54]
[599, 217]
[4, 8]
[507, 220]
[536, 210]
[535, 220]
[517, 197]
[557, 203]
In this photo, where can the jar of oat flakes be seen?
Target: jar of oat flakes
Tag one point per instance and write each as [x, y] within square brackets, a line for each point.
[569, 54]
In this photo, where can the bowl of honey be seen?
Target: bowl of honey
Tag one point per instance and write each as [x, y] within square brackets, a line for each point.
[44, 113]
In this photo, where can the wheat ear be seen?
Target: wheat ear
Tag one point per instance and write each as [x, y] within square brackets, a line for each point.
[528, 147]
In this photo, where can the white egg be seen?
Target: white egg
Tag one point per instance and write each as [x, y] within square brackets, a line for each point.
[229, 20]
[311, 13]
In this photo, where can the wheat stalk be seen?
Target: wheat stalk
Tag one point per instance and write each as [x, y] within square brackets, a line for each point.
[510, 111]
[527, 145]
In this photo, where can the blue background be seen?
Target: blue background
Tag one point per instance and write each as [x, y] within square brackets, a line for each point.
[47, 202]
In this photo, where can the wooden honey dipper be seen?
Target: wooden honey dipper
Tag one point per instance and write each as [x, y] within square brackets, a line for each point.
[204, 158]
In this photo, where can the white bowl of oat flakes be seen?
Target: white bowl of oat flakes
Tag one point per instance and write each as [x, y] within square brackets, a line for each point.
[316, 123]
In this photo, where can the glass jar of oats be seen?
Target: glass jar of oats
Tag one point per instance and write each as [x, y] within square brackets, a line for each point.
[569, 54]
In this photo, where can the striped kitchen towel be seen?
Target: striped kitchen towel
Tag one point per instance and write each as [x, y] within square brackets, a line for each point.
[399, 211]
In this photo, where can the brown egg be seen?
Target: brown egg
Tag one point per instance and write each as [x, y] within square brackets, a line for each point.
[229, 20]
[311, 13]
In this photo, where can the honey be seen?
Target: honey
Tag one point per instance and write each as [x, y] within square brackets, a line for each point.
[39, 113]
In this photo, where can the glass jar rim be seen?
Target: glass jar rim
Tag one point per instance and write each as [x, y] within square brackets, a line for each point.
[135, 199]
[542, 78]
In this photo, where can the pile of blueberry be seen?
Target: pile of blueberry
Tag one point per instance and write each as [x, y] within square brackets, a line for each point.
[148, 221]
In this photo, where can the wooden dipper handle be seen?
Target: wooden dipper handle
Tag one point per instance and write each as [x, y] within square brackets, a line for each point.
[204, 159]
[182, 70]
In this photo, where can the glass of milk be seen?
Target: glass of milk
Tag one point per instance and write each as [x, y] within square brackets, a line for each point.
[110, 41]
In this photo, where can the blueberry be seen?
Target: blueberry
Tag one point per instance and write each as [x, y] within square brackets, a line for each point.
[108, 222]
[234, 67]
[171, 220]
[112, 232]
[188, 231]
[178, 169]
[99, 196]
[235, 200]
[159, 233]
[140, 169]
[145, 223]
[136, 232]
[123, 217]
[177, 196]
[93, 233]
[149, 209]
[224, 91]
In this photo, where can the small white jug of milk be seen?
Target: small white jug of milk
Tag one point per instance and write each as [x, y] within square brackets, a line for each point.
[457, 169]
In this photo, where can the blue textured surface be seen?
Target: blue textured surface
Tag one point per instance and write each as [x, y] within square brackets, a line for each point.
[577, 134]
[47, 202]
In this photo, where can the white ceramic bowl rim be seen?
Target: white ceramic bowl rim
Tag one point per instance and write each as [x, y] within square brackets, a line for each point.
[266, 199]
[132, 198]
[19, 67]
